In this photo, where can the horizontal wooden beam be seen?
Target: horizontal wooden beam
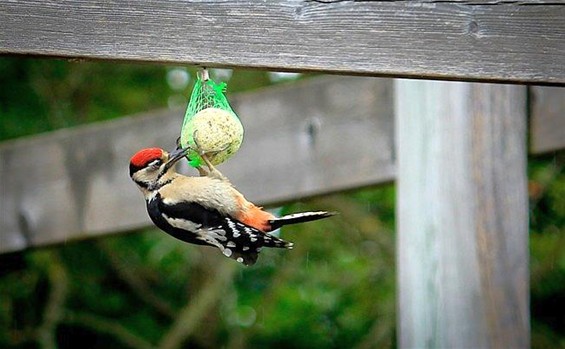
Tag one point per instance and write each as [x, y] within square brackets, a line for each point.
[506, 41]
[308, 138]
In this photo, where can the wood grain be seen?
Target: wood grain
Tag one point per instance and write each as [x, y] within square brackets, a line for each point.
[462, 215]
[512, 41]
[547, 119]
[316, 136]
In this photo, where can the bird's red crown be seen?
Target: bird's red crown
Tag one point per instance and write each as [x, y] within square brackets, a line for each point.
[144, 156]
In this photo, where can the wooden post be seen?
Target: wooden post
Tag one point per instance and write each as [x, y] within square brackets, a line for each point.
[462, 215]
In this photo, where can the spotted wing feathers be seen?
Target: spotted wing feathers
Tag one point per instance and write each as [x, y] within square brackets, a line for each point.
[239, 241]
[193, 223]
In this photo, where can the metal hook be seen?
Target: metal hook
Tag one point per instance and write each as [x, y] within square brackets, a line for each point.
[203, 74]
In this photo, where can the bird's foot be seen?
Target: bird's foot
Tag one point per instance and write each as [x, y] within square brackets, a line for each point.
[212, 171]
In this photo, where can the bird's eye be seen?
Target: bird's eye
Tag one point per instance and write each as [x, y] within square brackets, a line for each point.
[155, 163]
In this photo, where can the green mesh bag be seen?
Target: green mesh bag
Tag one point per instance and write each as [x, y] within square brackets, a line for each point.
[210, 124]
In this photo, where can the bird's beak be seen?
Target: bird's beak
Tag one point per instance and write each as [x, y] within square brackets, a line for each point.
[175, 156]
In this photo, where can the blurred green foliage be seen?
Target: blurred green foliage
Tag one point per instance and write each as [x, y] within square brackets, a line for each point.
[336, 289]
[547, 250]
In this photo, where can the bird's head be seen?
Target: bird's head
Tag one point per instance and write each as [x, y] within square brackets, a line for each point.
[150, 167]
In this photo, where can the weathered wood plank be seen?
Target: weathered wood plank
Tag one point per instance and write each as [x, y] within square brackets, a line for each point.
[516, 41]
[462, 215]
[547, 120]
[312, 137]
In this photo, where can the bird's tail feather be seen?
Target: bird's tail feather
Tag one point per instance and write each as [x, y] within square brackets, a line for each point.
[299, 218]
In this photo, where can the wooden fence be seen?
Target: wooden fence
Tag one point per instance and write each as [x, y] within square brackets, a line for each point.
[457, 151]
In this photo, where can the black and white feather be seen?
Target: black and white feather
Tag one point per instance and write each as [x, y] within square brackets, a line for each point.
[301, 217]
[193, 223]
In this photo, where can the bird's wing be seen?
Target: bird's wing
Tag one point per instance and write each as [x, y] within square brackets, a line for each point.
[194, 223]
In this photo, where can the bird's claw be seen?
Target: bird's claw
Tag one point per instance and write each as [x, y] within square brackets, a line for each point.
[212, 171]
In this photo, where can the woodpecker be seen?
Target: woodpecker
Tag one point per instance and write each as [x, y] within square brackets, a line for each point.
[207, 210]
